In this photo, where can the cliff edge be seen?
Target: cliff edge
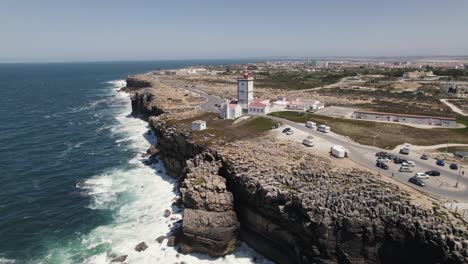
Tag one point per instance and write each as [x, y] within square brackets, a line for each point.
[291, 205]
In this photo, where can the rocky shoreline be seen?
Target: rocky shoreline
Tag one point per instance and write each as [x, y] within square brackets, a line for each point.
[293, 209]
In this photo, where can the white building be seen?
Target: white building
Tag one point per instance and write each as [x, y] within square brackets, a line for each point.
[304, 105]
[230, 110]
[405, 118]
[281, 101]
[198, 125]
[245, 89]
[259, 107]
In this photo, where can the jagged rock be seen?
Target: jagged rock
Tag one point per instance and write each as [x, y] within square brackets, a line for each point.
[172, 241]
[214, 233]
[160, 239]
[120, 258]
[141, 247]
[152, 150]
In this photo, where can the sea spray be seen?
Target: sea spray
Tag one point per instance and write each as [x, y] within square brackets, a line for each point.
[136, 195]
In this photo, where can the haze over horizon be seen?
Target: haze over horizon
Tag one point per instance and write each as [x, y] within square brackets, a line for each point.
[63, 31]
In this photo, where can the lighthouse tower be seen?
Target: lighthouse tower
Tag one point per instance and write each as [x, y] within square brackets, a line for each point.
[245, 87]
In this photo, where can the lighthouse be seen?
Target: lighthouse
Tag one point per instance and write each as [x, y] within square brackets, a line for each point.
[245, 87]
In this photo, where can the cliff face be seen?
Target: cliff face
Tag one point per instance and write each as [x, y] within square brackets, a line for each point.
[306, 211]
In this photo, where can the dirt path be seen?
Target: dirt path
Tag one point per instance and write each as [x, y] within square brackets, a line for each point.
[453, 107]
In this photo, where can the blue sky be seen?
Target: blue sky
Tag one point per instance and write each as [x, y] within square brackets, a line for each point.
[90, 30]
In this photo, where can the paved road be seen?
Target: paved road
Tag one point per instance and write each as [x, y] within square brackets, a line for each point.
[441, 186]
[209, 105]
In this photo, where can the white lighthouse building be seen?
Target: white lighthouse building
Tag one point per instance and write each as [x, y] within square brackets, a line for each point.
[245, 87]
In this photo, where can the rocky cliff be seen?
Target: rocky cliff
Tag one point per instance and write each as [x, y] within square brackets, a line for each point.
[295, 207]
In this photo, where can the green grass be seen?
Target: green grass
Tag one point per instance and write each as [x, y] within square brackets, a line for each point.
[390, 135]
[199, 181]
[260, 124]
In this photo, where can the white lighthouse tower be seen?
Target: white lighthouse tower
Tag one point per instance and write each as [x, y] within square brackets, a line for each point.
[245, 87]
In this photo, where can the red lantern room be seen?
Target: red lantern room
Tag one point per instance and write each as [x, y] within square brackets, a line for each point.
[246, 73]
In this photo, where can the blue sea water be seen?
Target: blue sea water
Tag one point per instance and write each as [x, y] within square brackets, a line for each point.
[73, 186]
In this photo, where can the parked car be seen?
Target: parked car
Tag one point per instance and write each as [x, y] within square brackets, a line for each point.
[424, 157]
[454, 166]
[399, 161]
[383, 159]
[381, 153]
[408, 163]
[289, 132]
[433, 173]
[382, 165]
[440, 162]
[417, 181]
[286, 129]
[405, 169]
[421, 175]
[391, 156]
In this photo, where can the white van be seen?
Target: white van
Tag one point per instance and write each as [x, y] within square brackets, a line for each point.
[311, 125]
[405, 169]
[339, 151]
[405, 149]
[323, 128]
[308, 142]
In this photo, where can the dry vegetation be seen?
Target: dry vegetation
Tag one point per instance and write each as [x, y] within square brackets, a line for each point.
[390, 135]
[221, 131]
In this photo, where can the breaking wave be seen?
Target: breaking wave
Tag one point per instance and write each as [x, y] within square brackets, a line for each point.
[136, 196]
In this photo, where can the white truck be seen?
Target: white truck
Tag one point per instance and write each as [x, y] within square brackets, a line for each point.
[405, 149]
[323, 128]
[339, 151]
[311, 125]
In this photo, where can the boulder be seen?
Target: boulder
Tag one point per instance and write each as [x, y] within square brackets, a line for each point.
[213, 233]
[141, 247]
[167, 213]
[172, 241]
[160, 239]
[120, 258]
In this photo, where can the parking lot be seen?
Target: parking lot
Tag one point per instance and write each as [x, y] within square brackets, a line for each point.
[439, 186]
[336, 111]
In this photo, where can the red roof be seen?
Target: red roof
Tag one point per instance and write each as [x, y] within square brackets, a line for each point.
[257, 104]
[420, 116]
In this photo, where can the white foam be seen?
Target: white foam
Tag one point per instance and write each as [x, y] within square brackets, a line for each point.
[6, 261]
[137, 195]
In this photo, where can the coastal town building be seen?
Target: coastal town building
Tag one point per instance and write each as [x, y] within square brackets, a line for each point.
[245, 90]
[406, 118]
[454, 89]
[230, 110]
[199, 125]
[259, 107]
[416, 75]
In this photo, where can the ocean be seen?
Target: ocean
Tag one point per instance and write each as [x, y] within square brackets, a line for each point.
[73, 185]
